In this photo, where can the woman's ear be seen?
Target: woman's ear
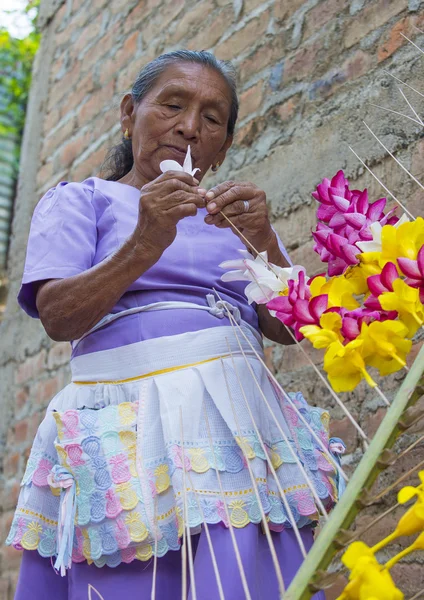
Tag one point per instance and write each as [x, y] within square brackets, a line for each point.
[223, 152]
[127, 111]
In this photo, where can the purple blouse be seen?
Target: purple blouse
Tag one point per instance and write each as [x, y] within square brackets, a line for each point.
[77, 225]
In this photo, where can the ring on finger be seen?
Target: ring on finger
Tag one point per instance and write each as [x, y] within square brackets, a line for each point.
[246, 205]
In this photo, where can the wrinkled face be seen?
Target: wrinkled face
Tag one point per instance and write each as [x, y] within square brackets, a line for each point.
[188, 105]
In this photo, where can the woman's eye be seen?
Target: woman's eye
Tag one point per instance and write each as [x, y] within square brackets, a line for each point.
[212, 119]
[173, 106]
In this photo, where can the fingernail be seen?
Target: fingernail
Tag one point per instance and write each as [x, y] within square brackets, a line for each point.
[208, 219]
[211, 206]
[196, 181]
[210, 195]
[201, 191]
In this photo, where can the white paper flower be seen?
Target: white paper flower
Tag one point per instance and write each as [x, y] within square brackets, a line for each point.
[264, 284]
[375, 245]
[172, 165]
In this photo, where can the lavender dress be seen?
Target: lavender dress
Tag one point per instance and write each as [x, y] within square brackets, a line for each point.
[76, 226]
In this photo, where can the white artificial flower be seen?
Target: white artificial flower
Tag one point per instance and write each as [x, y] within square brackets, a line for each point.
[376, 245]
[265, 284]
[172, 165]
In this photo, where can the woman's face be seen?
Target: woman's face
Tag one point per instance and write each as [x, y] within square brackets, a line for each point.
[188, 105]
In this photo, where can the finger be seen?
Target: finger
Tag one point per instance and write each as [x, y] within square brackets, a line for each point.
[225, 186]
[180, 197]
[170, 185]
[184, 210]
[181, 175]
[230, 196]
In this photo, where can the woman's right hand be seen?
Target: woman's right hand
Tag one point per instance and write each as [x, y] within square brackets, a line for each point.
[163, 202]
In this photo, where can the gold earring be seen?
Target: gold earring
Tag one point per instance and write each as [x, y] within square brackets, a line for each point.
[216, 167]
[127, 134]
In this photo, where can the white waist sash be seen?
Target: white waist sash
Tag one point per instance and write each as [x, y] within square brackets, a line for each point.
[218, 309]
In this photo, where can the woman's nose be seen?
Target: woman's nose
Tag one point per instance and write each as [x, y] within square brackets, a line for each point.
[189, 125]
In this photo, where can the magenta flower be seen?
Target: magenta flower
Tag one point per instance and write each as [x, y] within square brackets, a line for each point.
[294, 309]
[377, 284]
[352, 320]
[346, 217]
[414, 271]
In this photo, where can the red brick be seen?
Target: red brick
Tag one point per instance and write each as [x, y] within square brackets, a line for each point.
[11, 464]
[166, 13]
[94, 105]
[373, 421]
[239, 41]
[336, 589]
[212, 30]
[344, 429]
[45, 173]
[303, 62]
[246, 135]
[190, 21]
[91, 165]
[31, 367]
[104, 45]
[11, 558]
[265, 56]
[59, 355]
[21, 397]
[87, 36]
[251, 100]
[408, 577]
[51, 119]
[56, 138]
[286, 110]
[358, 64]
[21, 429]
[72, 149]
[321, 14]
[284, 10]
[46, 389]
[139, 14]
[5, 590]
[372, 17]
[74, 98]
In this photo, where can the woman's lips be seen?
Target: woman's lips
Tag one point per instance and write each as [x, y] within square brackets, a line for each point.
[179, 153]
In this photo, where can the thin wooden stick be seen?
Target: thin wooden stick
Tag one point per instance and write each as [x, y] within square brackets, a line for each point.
[403, 82]
[396, 483]
[418, 595]
[386, 189]
[411, 447]
[227, 514]
[92, 589]
[234, 323]
[411, 42]
[284, 436]
[255, 488]
[270, 465]
[209, 540]
[373, 522]
[155, 558]
[327, 385]
[186, 523]
[382, 395]
[396, 112]
[410, 105]
[393, 156]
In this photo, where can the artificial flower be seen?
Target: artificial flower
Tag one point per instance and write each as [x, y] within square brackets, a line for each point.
[326, 333]
[265, 282]
[172, 165]
[347, 218]
[375, 245]
[414, 271]
[378, 284]
[284, 306]
[352, 320]
[417, 544]
[384, 345]
[338, 289]
[345, 366]
[413, 520]
[368, 579]
[406, 302]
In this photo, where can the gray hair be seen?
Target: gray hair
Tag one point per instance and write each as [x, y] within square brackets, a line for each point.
[120, 158]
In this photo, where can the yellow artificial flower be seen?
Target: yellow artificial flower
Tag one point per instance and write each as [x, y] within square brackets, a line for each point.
[369, 263]
[339, 290]
[325, 334]
[345, 366]
[357, 277]
[368, 579]
[384, 345]
[418, 544]
[406, 301]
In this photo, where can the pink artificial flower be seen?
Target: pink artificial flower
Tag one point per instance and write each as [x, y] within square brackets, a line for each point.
[286, 309]
[378, 284]
[346, 217]
[414, 271]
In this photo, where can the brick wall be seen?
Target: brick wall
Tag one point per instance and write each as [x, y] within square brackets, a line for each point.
[309, 72]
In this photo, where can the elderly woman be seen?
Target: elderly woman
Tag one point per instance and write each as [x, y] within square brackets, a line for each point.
[171, 444]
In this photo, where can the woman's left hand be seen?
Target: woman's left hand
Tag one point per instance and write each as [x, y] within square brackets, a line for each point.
[245, 204]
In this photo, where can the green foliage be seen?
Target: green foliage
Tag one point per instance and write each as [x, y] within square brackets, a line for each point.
[16, 58]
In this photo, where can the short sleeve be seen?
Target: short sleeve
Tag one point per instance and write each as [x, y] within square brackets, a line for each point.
[62, 239]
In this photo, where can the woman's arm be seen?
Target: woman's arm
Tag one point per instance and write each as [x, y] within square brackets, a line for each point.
[69, 307]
